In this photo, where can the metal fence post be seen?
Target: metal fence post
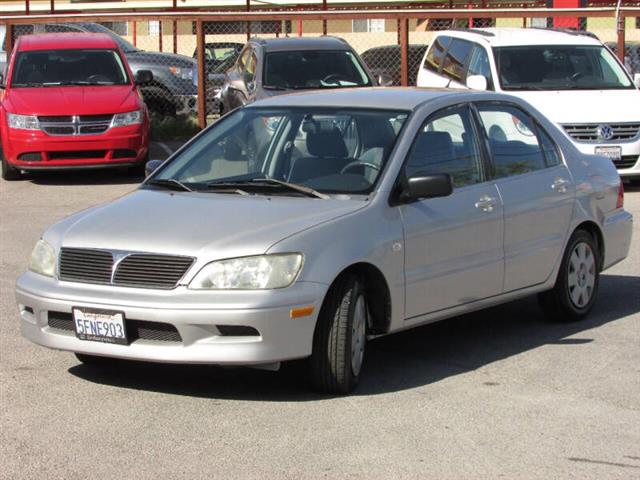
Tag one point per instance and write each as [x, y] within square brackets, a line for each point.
[621, 25]
[324, 20]
[202, 101]
[8, 42]
[404, 52]
[160, 35]
[26, 7]
[53, 6]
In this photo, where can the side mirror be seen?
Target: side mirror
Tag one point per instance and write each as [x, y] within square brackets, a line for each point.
[1, 81]
[152, 166]
[427, 186]
[477, 82]
[636, 79]
[144, 76]
[385, 80]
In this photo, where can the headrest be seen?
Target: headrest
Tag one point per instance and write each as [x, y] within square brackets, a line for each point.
[326, 143]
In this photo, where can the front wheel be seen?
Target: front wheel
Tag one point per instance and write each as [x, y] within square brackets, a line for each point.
[9, 172]
[576, 288]
[340, 337]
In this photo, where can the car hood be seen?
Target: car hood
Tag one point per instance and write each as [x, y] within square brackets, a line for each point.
[586, 106]
[208, 226]
[72, 100]
[160, 59]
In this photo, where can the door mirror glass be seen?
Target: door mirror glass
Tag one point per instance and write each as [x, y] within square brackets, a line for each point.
[152, 166]
[477, 82]
[428, 186]
[636, 79]
[144, 76]
[385, 80]
[1, 81]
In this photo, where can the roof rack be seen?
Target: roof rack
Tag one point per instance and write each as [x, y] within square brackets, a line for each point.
[569, 31]
[478, 31]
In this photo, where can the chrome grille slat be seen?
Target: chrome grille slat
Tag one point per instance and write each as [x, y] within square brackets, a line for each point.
[588, 132]
[75, 125]
[133, 270]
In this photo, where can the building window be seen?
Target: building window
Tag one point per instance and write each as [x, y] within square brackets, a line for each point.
[121, 28]
[368, 25]
[154, 28]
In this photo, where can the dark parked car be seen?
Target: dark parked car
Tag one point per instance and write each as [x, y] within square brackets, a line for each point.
[268, 67]
[219, 57]
[631, 55]
[173, 89]
[386, 61]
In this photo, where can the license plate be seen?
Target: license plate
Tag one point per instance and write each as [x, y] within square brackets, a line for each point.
[614, 153]
[104, 326]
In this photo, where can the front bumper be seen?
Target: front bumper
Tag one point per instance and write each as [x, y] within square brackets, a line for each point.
[279, 336]
[628, 166]
[35, 150]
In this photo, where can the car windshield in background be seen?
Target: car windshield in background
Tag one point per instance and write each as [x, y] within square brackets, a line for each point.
[559, 67]
[313, 69]
[69, 67]
[254, 150]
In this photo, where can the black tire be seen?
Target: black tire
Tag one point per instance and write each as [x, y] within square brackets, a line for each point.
[9, 172]
[331, 361]
[138, 169]
[557, 303]
[93, 359]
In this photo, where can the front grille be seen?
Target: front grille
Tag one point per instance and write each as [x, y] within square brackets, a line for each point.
[627, 161]
[77, 154]
[151, 271]
[584, 132]
[86, 266]
[136, 329]
[30, 157]
[134, 270]
[75, 125]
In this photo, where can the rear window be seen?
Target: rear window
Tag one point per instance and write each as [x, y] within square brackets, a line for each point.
[52, 68]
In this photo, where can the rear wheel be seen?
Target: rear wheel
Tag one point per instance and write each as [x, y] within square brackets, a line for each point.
[340, 337]
[576, 288]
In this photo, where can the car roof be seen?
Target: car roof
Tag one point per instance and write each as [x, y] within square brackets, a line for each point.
[302, 43]
[64, 41]
[503, 37]
[386, 98]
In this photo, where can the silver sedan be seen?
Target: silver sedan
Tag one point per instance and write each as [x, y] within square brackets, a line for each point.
[304, 225]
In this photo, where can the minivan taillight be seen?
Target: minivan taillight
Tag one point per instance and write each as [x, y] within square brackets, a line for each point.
[620, 202]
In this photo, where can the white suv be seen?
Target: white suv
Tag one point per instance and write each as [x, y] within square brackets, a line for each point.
[571, 77]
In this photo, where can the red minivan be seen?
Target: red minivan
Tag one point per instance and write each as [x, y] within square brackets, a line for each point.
[69, 101]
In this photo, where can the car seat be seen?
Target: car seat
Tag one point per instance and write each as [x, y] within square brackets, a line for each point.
[329, 156]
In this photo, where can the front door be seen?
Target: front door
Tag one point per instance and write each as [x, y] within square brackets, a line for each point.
[453, 245]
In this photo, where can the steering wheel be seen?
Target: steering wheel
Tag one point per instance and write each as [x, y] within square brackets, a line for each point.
[333, 78]
[576, 76]
[352, 165]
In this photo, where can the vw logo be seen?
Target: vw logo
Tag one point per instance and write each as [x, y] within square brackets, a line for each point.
[605, 132]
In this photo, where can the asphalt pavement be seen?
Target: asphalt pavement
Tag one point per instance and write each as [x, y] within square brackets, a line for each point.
[497, 394]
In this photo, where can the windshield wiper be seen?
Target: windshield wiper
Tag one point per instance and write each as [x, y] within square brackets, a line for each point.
[273, 87]
[292, 186]
[170, 183]
[263, 181]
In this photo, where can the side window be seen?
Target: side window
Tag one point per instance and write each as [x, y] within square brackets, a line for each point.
[515, 149]
[456, 59]
[549, 148]
[242, 59]
[479, 65]
[446, 143]
[250, 68]
[436, 53]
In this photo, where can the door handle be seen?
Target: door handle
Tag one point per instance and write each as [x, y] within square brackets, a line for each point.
[560, 185]
[486, 203]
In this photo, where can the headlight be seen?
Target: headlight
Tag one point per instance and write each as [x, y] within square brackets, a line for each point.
[23, 122]
[43, 259]
[249, 273]
[129, 118]
[182, 72]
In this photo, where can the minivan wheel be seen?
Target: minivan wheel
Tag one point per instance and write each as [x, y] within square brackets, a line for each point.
[340, 337]
[576, 288]
[9, 172]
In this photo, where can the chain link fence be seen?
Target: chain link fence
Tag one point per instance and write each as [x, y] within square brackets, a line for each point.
[168, 47]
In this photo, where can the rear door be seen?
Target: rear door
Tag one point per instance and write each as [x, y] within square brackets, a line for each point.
[536, 189]
[453, 245]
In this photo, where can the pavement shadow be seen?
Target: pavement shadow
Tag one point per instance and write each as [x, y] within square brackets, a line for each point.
[402, 361]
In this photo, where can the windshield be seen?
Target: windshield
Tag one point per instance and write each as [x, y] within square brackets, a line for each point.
[314, 69]
[97, 28]
[559, 67]
[69, 67]
[327, 150]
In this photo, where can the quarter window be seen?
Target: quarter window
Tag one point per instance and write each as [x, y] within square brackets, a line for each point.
[436, 53]
[479, 65]
[515, 149]
[446, 143]
[549, 148]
